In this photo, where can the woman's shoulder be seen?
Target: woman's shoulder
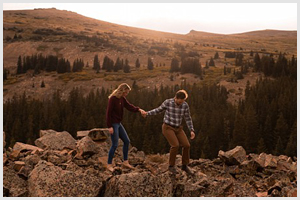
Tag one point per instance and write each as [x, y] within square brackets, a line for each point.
[113, 98]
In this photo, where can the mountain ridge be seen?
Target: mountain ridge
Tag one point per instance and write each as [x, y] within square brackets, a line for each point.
[146, 29]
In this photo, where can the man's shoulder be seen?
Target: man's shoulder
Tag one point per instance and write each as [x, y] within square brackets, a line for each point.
[185, 104]
[168, 101]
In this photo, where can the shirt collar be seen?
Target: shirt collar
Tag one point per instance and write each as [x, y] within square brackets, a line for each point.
[177, 106]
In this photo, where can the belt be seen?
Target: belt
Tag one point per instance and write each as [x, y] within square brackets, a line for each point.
[172, 125]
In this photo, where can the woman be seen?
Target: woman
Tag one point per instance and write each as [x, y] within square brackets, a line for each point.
[114, 116]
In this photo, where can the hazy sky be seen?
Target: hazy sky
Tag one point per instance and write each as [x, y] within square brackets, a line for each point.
[182, 17]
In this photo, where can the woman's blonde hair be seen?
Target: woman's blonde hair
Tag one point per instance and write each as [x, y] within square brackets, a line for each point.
[119, 91]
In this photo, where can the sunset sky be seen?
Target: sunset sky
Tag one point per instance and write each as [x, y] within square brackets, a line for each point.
[180, 18]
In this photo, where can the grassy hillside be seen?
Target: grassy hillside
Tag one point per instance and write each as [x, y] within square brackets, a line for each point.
[70, 35]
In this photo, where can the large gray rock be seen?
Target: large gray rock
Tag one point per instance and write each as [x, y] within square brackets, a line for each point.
[47, 180]
[86, 146]
[233, 157]
[56, 141]
[137, 184]
[15, 186]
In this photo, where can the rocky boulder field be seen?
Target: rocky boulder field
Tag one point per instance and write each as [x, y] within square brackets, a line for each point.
[62, 166]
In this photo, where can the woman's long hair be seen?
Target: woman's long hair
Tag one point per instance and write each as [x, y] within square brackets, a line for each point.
[119, 91]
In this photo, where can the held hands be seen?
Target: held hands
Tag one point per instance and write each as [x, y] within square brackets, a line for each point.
[143, 113]
[192, 135]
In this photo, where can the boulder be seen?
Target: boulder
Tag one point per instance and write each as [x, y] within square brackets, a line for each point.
[30, 161]
[233, 157]
[15, 186]
[47, 180]
[14, 155]
[136, 157]
[286, 166]
[56, 141]
[138, 184]
[270, 161]
[265, 160]
[250, 167]
[193, 186]
[19, 146]
[86, 146]
[18, 165]
[82, 134]
[57, 159]
[45, 132]
[99, 134]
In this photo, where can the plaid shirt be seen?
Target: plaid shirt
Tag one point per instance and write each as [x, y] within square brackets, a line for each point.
[174, 113]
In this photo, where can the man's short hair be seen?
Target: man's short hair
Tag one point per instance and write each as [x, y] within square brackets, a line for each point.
[181, 94]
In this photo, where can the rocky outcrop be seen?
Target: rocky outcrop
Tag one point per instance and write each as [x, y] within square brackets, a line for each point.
[48, 180]
[64, 167]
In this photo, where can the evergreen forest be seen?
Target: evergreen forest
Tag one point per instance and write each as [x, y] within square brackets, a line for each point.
[266, 121]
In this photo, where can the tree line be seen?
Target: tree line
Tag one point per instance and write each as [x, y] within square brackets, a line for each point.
[50, 63]
[264, 122]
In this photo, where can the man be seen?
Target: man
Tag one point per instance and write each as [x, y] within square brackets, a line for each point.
[176, 108]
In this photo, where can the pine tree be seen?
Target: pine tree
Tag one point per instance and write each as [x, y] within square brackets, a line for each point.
[206, 65]
[281, 130]
[251, 130]
[251, 53]
[279, 149]
[96, 65]
[137, 63]
[118, 65]
[5, 74]
[126, 67]
[268, 135]
[291, 147]
[42, 84]
[257, 63]
[19, 66]
[238, 135]
[174, 65]
[211, 62]
[150, 64]
[261, 147]
[216, 55]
